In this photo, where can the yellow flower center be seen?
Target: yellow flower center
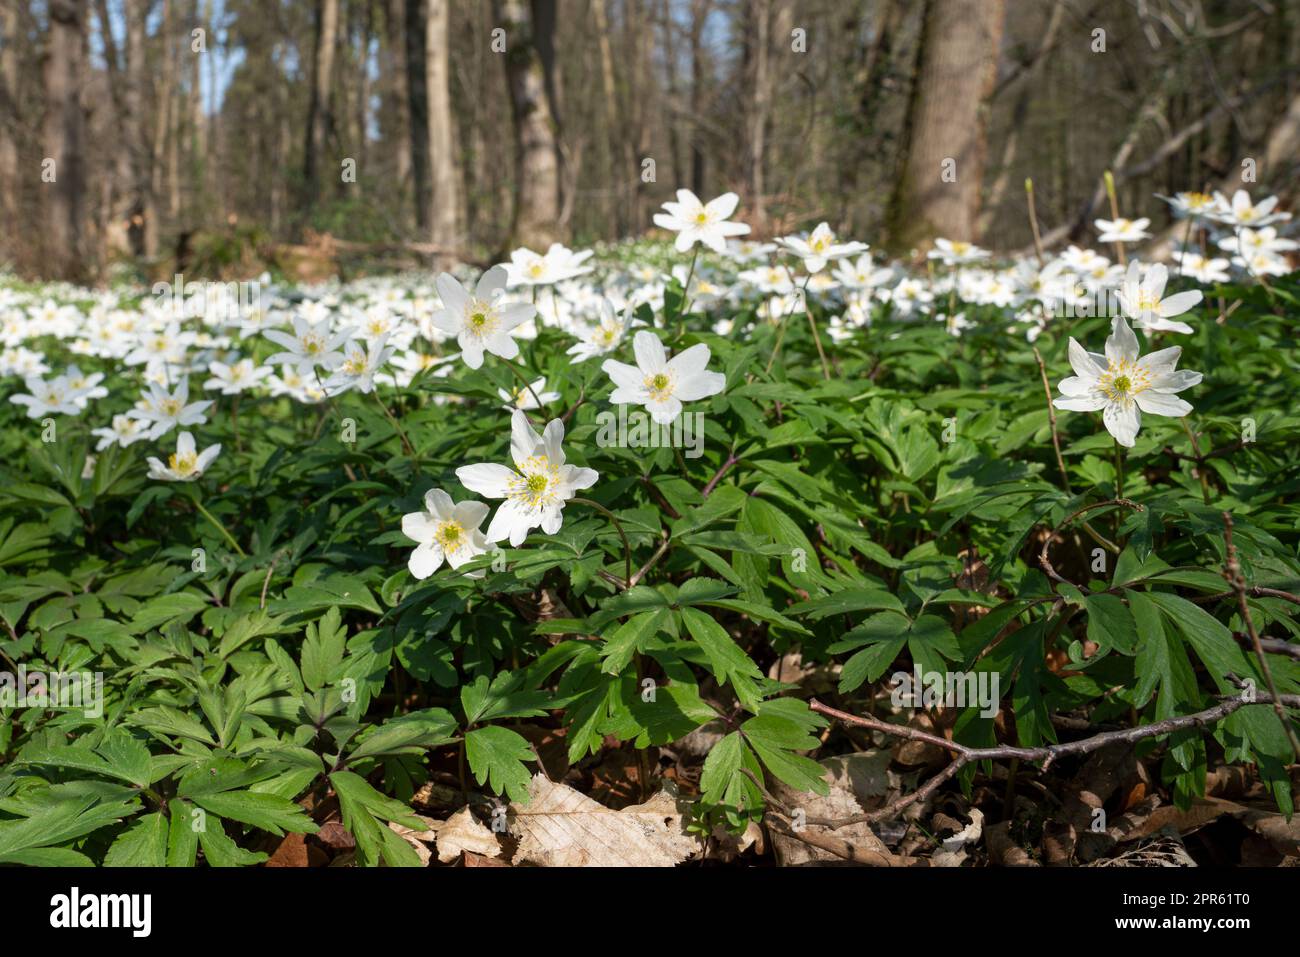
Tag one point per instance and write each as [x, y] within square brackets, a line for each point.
[1147, 303]
[450, 535]
[1123, 380]
[701, 217]
[960, 248]
[535, 486]
[182, 464]
[659, 385]
[170, 406]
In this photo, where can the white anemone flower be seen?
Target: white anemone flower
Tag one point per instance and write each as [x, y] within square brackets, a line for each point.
[659, 383]
[535, 494]
[527, 268]
[444, 531]
[186, 465]
[697, 222]
[1242, 212]
[820, 247]
[235, 377]
[1122, 230]
[1122, 385]
[357, 371]
[481, 322]
[956, 252]
[53, 397]
[532, 396]
[605, 336]
[311, 344]
[122, 433]
[165, 410]
[1142, 298]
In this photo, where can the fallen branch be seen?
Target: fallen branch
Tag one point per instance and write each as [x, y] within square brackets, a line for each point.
[1047, 754]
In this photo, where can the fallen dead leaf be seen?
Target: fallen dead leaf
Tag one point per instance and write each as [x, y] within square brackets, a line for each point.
[559, 827]
[463, 832]
[292, 852]
[420, 840]
[840, 803]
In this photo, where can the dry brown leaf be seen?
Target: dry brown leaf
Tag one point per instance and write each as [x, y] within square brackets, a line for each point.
[839, 804]
[420, 840]
[292, 852]
[559, 827]
[463, 832]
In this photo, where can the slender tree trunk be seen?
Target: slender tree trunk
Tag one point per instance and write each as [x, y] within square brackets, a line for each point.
[64, 138]
[621, 163]
[537, 166]
[9, 118]
[939, 191]
[760, 107]
[144, 215]
[417, 114]
[166, 88]
[198, 125]
[699, 14]
[320, 116]
[397, 130]
[445, 200]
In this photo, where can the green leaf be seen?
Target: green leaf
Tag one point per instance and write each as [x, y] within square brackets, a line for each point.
[496, 755]
[265, 811]
[143, 844]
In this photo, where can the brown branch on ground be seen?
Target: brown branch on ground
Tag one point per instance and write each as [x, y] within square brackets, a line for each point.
[964, 754]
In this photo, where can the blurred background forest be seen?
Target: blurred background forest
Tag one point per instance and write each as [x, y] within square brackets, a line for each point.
[223, 136]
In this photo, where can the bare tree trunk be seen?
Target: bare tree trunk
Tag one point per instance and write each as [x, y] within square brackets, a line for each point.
[144, 217]
[939, 191]
[199, 127]
[417, 115]
[699, 14]
[9, 119]
[320, 116]
[621, 161]
[444, 209]
[537, 166]
[760, 106]
[162, 115]
[397, 130]
[64, 138]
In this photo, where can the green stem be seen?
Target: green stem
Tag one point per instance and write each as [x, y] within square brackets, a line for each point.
[527, 385]
[410, 449]
[221, 528]
[686, 293]
[618, 526]
[1119, 481]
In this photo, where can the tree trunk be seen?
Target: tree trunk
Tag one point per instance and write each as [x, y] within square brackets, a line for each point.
[320, 117]
[162, 115]
[64, 138]
[760, 105]
[621, 163]
[9, 119]
[417, 114]
[396, 129]
[444, 209]
[699, 14]
[198, 126]
[938, 193]
[537, 165]
[143, 230]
